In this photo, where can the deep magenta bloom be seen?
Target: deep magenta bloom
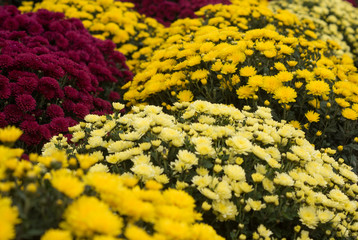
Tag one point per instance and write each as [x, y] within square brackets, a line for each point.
[25, 102]
[59, 124]
[81, 110]
[114, 96]
[53, 73]
[54, 111]
[3, 122]
[28, 84]
[167, 11]
[49, 87]
[13, 113]
[5, 91]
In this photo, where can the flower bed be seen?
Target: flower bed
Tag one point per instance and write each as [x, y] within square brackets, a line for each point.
[113, 20]
[53, 73]
[336, 20]
[72, 197]
[250, 175]
[273, 61]
[167, 12]
[241, 123]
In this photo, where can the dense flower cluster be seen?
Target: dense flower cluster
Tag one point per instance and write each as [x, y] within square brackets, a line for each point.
[257, 177]
[335, 19]
[53, 73]
[74, 197]
[166, 12]
[245, 54]
[108, 19]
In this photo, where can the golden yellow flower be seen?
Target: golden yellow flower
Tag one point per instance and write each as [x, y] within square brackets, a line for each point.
[65, 182]
[199, 74]
[270, 84]
[318, 88]
[312, 116]
[342, 102]
[228, 68]
[306, 74]
[247, 71]
[284, 76]
[88, 216]
[296, 124]
[350, 114]
[285, 95]
[185, 96]
[280, 66]
[10, 134]
[57, 234]
[245, 92]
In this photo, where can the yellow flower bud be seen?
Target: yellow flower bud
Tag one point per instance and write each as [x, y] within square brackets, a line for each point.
[206, 206]
[217, 168]
[242, 237]
[340, 148]
[31, 188]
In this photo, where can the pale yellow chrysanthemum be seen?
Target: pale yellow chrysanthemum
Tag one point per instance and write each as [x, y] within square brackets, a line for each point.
[308, 216]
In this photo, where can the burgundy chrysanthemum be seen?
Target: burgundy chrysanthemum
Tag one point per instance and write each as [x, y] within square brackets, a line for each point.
[28, 84]
[54, 111]
[167, 11]
[114, 96]
[25, 102]
[13, 113]
[3, 122]
[59, 124]
[81, 110]
[5, 90]
[53, 73]
[49, 87]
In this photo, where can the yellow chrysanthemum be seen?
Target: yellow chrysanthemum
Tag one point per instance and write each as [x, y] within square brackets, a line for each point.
[88, 216]
[185, 96]
[247, 71]
[66, 183]
[312, 116]
[245, 92]
[350, 114]
[296, 124]
[308, 216]
[56, 234]
[284, 76]
[285, 95]
[8, 218]
[10, 134]
[318, 88]
[307, 75]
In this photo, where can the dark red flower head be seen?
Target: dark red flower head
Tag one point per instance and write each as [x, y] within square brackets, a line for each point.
[25, 102]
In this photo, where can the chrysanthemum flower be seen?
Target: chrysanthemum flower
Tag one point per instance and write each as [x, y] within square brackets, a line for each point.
[285, 95]
[350, 114]
[318, 88]
[312, 116]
